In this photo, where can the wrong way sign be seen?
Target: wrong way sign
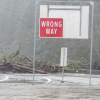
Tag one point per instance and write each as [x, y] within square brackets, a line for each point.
[51, 27]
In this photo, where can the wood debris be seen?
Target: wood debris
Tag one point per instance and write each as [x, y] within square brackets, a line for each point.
[42, 67]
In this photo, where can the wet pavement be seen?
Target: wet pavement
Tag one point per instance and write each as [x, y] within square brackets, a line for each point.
[21, 78]
[50, 78]
[75, 87]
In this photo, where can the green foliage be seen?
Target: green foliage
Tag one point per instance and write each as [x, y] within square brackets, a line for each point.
[9, 58]
[3, 58]
[17, 28]
[73, 65]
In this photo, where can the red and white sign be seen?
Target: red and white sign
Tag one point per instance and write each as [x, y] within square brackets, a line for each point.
[51, 27]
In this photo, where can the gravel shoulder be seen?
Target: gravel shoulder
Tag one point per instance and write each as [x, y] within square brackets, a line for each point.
[60, 91]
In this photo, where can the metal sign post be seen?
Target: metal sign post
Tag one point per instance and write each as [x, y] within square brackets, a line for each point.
[63, 66]
[92, 4]
[63, 61]
[35, 39]
[74, 2]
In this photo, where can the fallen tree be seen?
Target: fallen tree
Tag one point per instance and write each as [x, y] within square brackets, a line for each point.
[41, 67]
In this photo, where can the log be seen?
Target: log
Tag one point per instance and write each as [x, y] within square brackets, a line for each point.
[26, 69]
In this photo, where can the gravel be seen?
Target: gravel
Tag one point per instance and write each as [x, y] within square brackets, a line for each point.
[51, 91]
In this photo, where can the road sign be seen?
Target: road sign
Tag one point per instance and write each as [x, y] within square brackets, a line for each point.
[75, 19]
[51, 27]
[63, 59]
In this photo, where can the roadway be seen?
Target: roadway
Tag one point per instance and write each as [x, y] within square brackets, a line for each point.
[50, 78]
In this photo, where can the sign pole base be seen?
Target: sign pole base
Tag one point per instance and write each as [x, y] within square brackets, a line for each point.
[62, 81]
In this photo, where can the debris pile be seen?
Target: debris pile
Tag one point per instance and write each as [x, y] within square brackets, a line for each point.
[85, 66]
[41, 67]
[47, 67]
[96, 65]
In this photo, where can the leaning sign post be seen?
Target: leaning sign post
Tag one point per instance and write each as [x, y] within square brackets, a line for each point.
[61, 21]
